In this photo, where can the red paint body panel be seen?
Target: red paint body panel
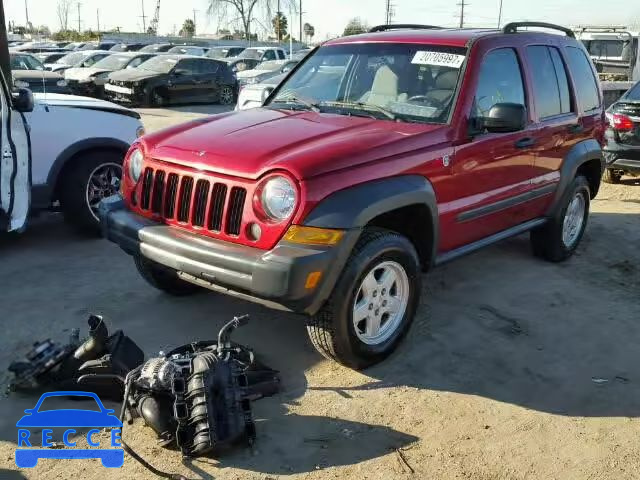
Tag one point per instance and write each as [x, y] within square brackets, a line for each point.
[325, 153]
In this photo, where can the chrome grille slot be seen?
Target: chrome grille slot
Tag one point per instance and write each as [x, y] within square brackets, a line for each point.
[147, 181]
[235, 208]
[200, 203]
[216, 211]
[184, 202]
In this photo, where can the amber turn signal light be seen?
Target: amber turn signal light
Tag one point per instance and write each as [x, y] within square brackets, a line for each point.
[313, 235]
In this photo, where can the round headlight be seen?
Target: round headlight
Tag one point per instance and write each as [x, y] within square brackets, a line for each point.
[278, 198]
[135, 165]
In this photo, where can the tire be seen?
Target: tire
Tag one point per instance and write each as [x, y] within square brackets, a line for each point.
[78, 195]
[164, 279]
[156, 100]
[611, 176]
[333, 331]
[549, 242]
[227, 97]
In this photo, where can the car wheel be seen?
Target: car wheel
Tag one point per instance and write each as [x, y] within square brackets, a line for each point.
[559, 238]
[226, 95]
[164, 278]
[373, 303]
[88, 180]
[157, 100]
[611, 176]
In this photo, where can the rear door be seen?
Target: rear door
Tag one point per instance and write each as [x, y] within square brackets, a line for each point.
[15, 165]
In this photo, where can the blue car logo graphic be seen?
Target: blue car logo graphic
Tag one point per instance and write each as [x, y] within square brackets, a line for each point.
[105, 418]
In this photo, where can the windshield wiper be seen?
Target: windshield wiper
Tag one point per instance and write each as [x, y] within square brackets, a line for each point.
[362, 106]
[299, 101]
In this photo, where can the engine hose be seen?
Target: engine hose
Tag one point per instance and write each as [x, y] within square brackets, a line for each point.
[128, 449]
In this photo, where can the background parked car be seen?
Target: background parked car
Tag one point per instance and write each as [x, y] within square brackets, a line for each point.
[264, 71]
[251, 57]
[49, 57]
[622, 149]
[157, 47]
[187, 50]
[169, 79]
[103, 45]
[74, 45]
[82, 58]
[224, 52]
[127, 47]
[90, 81]
[29, 72]
[253, 96]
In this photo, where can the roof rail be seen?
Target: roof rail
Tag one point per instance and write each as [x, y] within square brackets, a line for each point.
[601, 28]
[514, 26]
[403, 26]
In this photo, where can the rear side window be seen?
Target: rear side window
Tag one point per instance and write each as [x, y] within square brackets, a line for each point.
[550, 87]
[585, 82]
[500, 81]
[634, 93]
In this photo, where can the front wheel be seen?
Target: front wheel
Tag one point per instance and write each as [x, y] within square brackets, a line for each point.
[88, 180]
[611, 176]
[373, 303]
[559, 238]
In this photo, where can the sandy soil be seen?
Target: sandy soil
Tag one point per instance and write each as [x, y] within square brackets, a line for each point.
[513, 369]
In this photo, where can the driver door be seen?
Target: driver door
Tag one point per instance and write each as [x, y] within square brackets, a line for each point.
[15, 164]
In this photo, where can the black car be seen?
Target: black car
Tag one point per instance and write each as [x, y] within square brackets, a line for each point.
[157, 47]
[127, 47]
[622, 137]
[106, 45]
[224, 52]
[29, 72]
[169, 79]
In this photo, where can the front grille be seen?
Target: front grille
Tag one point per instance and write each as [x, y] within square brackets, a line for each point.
[206, 203]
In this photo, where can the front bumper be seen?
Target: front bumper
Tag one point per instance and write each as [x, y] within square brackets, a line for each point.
[135, 98]
[276, 278]
[85, 89]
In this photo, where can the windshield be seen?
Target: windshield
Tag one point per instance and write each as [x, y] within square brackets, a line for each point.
[113, 62]
[160, 64]
[218, 52]
[401, 82]
[25, 62]
[73, 58]
[251, 53]
[634, 93]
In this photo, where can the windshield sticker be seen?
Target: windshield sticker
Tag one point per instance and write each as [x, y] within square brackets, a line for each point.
[438, 58]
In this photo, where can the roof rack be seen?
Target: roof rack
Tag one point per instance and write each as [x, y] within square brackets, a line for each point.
[601, 28]
[514, 26]
[403, 26]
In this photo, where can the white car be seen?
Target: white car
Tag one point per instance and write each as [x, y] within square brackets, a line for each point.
[82, 58]
[264, 71]
[253, 96]
[77, 148]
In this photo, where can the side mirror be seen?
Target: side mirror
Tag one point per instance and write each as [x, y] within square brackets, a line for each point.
[266, 92]
[22, 100]
[505, 117]
[180, 72]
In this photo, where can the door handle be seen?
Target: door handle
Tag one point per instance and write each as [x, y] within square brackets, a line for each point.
[525, 142]
[575, 128]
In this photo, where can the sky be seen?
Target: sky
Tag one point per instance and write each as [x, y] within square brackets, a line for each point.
[329, 17]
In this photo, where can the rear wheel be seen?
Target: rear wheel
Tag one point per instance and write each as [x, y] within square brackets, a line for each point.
[164, 278]
[559, 238]
[611, 176]
[373, 302]
[226, 95]
[89, 179]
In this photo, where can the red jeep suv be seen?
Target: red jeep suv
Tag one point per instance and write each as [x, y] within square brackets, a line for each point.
[379, 156]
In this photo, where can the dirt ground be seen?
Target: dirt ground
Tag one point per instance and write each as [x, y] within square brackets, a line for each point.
[513, 369]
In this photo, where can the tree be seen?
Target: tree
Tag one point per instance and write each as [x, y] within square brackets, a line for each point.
[63, 8]
[309, 31]
[188, 28]
[354, 27]
[246, 10]
[280, 25]
[151, 31]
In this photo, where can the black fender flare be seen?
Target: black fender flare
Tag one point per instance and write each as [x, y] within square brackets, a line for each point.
[355, 207]
[83, 145]
[580, 153]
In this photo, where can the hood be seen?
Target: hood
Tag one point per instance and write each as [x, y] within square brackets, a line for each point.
[304, 143]
[133, 75]
[74, 101]
[35, 75]
[57, 66]
[82, 73]
[251, 73]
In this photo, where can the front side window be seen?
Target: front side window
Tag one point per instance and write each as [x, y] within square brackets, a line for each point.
[550, 87]
[252, 54]
[401, 82]
[269, 55]
[25, 62]
[584, 79]
[499, 81]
